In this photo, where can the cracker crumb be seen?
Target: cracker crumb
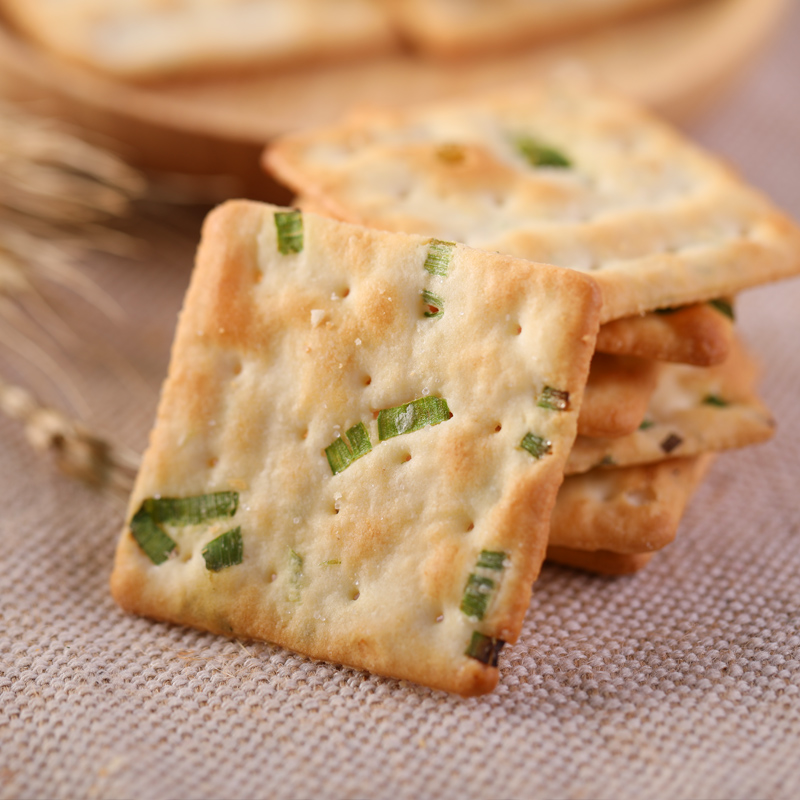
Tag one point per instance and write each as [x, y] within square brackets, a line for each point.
[317, 315]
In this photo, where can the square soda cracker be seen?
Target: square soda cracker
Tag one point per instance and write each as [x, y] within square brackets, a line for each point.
[465, 27]
[150, 39]
[562, 173]
[617, 395]
[626, 510]
[358, 445]
[698, 334]
[693, 410]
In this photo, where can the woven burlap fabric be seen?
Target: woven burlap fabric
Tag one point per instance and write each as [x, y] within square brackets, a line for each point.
[680, 682]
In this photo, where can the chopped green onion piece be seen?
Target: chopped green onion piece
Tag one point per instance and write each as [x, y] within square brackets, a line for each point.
[296, 566]
[723, 306]
[477, 594]
[555, 399]
[492, 559]
[715, 400]
[434, 303]
[439, 256]
[537, 446]
[333, 562]
[156, 544]
[346, 449]
[484, 648]
[224, 551]
[192, 510]
[539, 154]
[645, 424]
[412, 416]
[339, 456]
[290, 231]
[358, 438]
[671, 442]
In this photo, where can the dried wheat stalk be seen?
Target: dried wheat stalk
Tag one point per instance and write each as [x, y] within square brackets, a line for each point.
[56, 193]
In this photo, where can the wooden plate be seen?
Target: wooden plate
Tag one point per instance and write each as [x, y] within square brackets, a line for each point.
[676, 62]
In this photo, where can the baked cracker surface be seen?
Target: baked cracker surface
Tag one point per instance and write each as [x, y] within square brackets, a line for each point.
[562, 173]
[372, 479]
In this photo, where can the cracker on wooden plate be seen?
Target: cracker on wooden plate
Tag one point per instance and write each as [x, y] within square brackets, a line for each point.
[561, 173]
[698, 334]
[626, 510]
[617, 395]
[693, 410]
[147, 39]
[365, 433]
[465, 27]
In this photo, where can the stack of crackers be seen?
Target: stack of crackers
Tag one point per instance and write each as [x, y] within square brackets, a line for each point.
[493, 330]
[156, 39]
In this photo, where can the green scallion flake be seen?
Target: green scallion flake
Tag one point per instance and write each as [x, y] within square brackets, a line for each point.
[672, 442]
[296, 568]
[715, 400]
[359, 441]
[346, 449]
[333, 562]
[555, 399]
[477, 594]
[156, 544]
[224, 551]
[539, 154]
[645, 424]
[491, 559]
[723, 306]
[440, 253]
[290, 231]
[537, 446]
[339, 456]
[412, 416]
[484, 648]
[434, 305]
[192, 510]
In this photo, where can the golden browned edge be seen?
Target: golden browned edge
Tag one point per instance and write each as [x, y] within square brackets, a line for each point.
[602, 562]
[698, 334]
[226, 265]
[641, 512]
[617, 395]
[450, 42]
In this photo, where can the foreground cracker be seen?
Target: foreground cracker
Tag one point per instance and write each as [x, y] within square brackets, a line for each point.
[359, 445]
[562, 174]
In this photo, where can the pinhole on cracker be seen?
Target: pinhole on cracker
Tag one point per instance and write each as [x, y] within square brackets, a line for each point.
[344, 465]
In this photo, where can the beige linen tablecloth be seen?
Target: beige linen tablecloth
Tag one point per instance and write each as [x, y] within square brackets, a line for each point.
[680, 682]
